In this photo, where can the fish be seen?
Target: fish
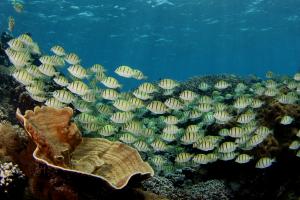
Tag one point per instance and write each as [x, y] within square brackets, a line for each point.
[171, 120]
[173, 103]
[204, 107]
[223, 132]
[255, 140]
[159, 146]
[58, 50]
[26, 39]
[81, 106]
[141, 146]
[34, 72]
[35, 49]
[141, 95]
[236, 132]
[110, 94]
[79, 88]
[167, 84]
[48, 70]
[107, 130]
[57, 61]
[64, 96]
[17, 58]
[148, 88]
[297, 76]
[172, 129]
[136, 103]
[17, 45]
[11, 24]
[72, 59]
[221, 85]
[18, 6]
[294, 145]
[220, 106]
[121, 117]
[246, 118]
[271, 84]
[111, 82]
[189, 138]
[203, 86]
[61, 81]
[183, 157]
[137, 74]
[227, 147]
[22, 76]
[77, 71]
[271, 92]
[204, 145]
[222, 116]
[157, 107]
[158, 161]
[52, 102]
[168, 137]
[227, 156]
[48, 60]
[39, 98]
[134, 127]
[89, 97]
[256, 103]
[125, 71]
[269, 74]
[195, 114]
[104, 109]
[264, 162]
[205, 100]
[263, 131]
[188, 95]
[192, 128]
[286, 120]
[200, 159]
[97, 68]
[128, 138]
[242, 102]
[34, 90]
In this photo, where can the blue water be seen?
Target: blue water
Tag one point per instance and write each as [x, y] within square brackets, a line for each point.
[176, 39]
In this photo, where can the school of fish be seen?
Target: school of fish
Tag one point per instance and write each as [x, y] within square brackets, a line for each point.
[167, 125]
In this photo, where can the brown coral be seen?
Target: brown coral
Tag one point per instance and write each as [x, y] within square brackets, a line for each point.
[52, 132]
[12, 140]
[60, 146]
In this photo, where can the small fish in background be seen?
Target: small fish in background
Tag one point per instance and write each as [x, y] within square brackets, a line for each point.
[286, 120]
[269, 74]
[11, 24]
[243, 158]
[297, 76]
[18, 6]
[264, 162]
[294, 145]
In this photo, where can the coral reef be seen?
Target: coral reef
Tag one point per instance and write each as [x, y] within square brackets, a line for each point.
[12, 181]
[57, 141]
[207, 190]
[12, 141]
